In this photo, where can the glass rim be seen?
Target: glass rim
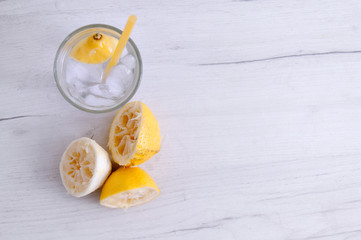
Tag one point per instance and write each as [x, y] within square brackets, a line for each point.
[55, 72]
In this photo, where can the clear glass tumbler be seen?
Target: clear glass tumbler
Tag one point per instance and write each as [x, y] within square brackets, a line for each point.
[63, 53]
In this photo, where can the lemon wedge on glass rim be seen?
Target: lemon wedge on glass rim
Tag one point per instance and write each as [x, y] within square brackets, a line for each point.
[134, 135]
[128, 187]
[95, 49]
[84, 167]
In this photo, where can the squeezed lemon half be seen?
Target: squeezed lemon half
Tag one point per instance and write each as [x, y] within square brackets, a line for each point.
[84, 167]
[134, 135]
[128, 187]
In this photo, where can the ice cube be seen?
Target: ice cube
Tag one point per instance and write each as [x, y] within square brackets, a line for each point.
[78, 89]
[116, 91]
[119, 75]
[101, 90]
[119, 80]
[72, 71]
[77, 71]
[96, 72]
[92, 100]
[87, 73]
[128, 61]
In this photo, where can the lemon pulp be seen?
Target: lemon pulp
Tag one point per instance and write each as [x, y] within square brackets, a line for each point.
[134, 135]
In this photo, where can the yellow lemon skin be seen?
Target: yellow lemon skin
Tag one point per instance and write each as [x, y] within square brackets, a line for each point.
[95, 49]
[134, 135]
[127, 187]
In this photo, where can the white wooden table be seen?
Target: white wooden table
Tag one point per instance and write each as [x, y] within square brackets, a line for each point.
[259, 104]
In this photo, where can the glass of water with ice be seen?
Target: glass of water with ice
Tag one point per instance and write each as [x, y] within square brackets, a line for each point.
[80, 62]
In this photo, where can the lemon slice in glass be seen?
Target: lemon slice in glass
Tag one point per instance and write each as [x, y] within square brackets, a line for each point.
[95, 49]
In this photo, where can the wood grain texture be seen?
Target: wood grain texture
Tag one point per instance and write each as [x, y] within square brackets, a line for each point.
[259, 104]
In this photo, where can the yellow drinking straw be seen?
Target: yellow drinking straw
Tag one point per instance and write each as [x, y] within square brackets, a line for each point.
[120, 47]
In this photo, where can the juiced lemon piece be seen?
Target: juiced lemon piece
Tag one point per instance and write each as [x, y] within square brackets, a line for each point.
[134, 135]
[84, 167]
[128, 187]
[96, 48]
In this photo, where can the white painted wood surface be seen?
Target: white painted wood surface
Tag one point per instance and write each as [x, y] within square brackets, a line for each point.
[259, 104]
